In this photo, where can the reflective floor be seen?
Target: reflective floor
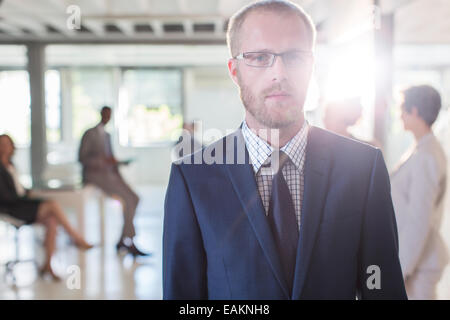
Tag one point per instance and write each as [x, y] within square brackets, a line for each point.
[443, 290]
[101, 273]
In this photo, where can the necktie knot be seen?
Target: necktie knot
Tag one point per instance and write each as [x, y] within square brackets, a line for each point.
[277, 160]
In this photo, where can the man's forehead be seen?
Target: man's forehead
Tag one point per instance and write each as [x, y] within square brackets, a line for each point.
[269, 30]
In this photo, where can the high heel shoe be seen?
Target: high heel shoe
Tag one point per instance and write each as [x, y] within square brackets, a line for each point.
[121, 247]
[136, 252]
[83, 245]
[43, 272]
[131, 248]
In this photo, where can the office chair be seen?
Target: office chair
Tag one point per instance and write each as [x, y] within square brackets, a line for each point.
[10, 265]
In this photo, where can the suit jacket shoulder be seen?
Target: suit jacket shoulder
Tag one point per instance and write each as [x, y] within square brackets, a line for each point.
[340, 149]
[341, 144]
[89, 132]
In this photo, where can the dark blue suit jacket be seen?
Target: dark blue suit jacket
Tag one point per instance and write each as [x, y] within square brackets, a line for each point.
[218, 245]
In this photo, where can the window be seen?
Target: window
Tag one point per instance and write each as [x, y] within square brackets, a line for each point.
[53, 105]
[150, 106]
[91, 88]
[15, 117]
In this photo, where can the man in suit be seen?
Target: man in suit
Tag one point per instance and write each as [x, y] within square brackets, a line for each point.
[279, 209]
[100, 168]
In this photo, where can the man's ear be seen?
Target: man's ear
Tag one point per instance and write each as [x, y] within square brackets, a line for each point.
[232, 69]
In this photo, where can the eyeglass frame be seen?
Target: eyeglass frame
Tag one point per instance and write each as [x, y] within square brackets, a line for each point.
[275, 55]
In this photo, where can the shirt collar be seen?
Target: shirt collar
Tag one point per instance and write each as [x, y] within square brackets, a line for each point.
[259, 150]
[424, 139]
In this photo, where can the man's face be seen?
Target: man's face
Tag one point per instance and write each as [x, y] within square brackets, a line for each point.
[275, 95]
[409, 118]
[106, 116]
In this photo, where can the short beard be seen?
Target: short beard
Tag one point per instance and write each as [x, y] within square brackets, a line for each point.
[259, 111]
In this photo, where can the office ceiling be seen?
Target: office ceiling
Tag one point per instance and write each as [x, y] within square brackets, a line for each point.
[202, 21]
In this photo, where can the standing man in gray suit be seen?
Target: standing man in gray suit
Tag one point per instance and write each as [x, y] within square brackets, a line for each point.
[100, 168]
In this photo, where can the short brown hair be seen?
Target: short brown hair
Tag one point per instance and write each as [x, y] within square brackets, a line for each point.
[426, 99]
[8, 137]
[237, 20]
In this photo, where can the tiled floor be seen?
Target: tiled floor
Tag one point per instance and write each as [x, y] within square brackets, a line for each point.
[103, 273]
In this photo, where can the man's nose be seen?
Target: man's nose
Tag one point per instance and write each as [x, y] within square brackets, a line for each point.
[278, 69]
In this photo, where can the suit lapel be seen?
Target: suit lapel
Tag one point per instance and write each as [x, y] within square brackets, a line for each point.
[317, 166]
[243, 180]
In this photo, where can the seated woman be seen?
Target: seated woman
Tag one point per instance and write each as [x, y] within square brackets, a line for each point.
[15, 202]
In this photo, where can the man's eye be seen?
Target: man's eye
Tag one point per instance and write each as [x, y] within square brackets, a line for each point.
[260, 57]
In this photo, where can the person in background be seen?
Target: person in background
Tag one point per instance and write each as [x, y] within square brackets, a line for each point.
[340, 115]
[15, 201]
[418, 188]
[100, 168]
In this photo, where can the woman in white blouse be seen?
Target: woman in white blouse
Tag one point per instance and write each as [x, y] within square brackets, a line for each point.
[14, 201]
[418, 188]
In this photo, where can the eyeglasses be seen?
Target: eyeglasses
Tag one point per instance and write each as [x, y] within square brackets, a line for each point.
[266, 59]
